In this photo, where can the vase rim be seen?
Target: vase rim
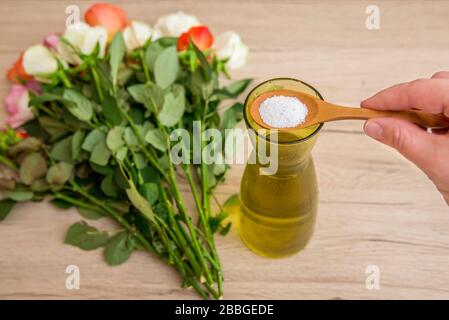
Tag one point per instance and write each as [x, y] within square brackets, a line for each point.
[299, 140]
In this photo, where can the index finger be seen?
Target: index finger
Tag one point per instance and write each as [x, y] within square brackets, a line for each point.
[431, 95]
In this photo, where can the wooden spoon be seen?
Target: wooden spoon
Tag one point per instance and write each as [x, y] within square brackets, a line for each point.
[321, 111]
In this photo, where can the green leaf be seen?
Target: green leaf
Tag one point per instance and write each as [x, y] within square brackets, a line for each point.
[236, 88]
[120, 179]
[233, 90]
[218, 168]
[111, 110]
[224, 230]
[92, 139]
[83, 236]
[150, 191]
[6, 206]
[104, 170]
[100, 154]
[130, 137]
[77, 142]
[232, 203]
[156, 138]
[119, 248]
[59, 173]
[62, 150]
[104, 73]
[138, 92]
[53, 126]
[205, 67]
[90, 213]
[140, 161]
[33, 167]
[172, 110]
[40, 185]
[47, 97]
[121, 153]
[117, 53]
[81, 107]
[61, 203]
[166, 67]
[232, 116]
[150, 95]
[152, 52]
[139, 201]
[114, 140]
[109, 187]
[150, 174]
[18, 195]
[214, 222]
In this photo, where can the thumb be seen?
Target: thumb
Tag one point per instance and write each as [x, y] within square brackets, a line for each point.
[410, 140]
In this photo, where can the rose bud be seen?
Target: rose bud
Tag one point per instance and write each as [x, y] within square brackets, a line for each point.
[85, 39]
[228, 45]
[21, 134]
[38, 60]
[175, 24]
[200, 36]
[137, 34]
[51, 41]
[111, 17]
[17, 105]
[17, 73]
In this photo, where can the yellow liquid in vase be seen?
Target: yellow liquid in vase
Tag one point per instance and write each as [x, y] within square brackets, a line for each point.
[278, 211]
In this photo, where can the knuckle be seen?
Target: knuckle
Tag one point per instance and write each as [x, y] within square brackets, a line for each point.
[440, 74]
[399, 139]
[416, 84]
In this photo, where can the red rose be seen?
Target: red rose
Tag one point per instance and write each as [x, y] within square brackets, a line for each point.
[17, 72]
[200, 36]
[111, 17]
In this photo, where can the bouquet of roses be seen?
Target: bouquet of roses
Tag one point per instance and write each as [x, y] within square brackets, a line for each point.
[94, 112]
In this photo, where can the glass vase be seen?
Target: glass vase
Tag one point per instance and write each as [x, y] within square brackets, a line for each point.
[278, 210]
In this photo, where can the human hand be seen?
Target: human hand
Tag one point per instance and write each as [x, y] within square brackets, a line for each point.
[428, 151]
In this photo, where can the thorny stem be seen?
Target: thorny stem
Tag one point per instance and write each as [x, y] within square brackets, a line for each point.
[97, 82]
[172, 176]
[147, 245]
[145, 151]
[144, 65]
[206, 203]
[64, 79]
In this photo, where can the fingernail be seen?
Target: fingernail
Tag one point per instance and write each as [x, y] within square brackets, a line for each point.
[374, 130]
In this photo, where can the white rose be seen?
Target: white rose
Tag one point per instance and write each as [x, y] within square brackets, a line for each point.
[137, 34]
[228, 45]
[38, 60]
[173, 25]
[93, 36]
[84, 38]
[74, 34]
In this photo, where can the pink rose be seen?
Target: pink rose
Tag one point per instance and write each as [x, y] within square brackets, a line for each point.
[51, 41]
[17, 105]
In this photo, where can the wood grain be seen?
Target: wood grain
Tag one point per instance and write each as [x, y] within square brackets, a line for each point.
[375, 207]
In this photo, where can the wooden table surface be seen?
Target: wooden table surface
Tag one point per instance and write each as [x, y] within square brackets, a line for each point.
[375, 207]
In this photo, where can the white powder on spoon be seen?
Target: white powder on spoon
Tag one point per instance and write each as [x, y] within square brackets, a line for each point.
[283, 111]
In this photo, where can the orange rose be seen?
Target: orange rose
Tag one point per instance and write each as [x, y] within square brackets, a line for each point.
[108, 16]
[200, 36]
[17, 72]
